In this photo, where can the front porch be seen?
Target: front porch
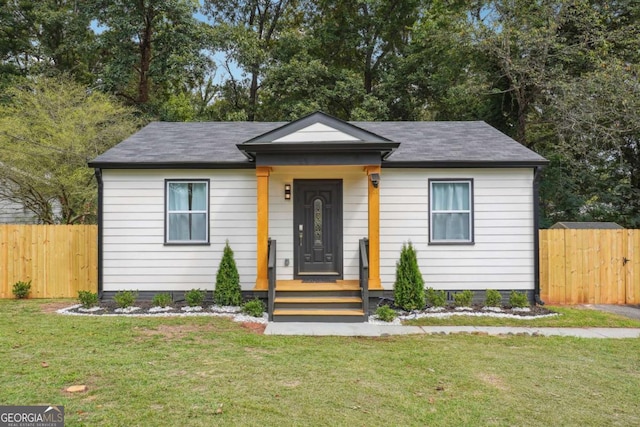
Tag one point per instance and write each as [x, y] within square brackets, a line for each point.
[318, 196]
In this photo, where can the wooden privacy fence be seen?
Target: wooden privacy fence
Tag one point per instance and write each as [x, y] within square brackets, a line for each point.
[576, 266]
[590, 266]
[59, 260]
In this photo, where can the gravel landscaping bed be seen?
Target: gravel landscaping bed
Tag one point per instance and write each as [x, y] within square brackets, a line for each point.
[145, 308]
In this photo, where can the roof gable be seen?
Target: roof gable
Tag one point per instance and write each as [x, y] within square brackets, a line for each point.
[321, 139]
[317, 127]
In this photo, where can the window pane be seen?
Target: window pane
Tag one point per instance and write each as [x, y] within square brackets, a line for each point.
[199, 196]
[199, 227]
[451, 226]
[178, 196]
[317, 222]
[179, 227]
[450, 196]
[186, 227]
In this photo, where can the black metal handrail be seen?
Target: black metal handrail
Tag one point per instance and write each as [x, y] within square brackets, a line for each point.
[271, 268]
[364, 275]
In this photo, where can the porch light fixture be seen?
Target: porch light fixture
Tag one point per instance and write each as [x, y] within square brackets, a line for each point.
[375, 179]
[287, 191]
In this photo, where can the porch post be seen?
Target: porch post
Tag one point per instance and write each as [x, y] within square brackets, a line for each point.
[374, 229]
[262, 249]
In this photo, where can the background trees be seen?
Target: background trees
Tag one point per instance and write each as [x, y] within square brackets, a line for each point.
[561, 77]
[49, 129]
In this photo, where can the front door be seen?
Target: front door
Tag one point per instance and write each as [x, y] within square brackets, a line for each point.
[317, 228]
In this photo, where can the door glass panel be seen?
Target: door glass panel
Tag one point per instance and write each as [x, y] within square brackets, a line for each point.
[317, 222]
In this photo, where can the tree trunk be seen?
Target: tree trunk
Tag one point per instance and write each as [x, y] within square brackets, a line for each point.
[145, 59]
[253, 94]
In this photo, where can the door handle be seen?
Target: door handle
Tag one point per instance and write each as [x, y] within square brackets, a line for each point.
[300, 234]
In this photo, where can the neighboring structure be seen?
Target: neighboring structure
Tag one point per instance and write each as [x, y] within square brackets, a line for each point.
[338, 198]
[14, 213]
[586, 225]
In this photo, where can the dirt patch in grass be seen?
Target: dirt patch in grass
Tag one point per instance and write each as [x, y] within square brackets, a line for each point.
[172, 332]
[256, 328]
[492, 380]
[52, 307]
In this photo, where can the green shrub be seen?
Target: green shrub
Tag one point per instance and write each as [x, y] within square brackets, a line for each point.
[161, 300]
[493, 298]
[253, 308]
[125, 299]
[386, 313]
[436, 298]
[227, 280]
[463, 299]
[408, 290]
[194, 297]
[88, 299]
[518, 299]
[21, 289]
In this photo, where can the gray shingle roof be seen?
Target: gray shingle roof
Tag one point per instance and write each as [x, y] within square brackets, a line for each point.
[214, 143]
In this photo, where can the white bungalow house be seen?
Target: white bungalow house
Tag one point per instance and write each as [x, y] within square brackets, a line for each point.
[316, 210]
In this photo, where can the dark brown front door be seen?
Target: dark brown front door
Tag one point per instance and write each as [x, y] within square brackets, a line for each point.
[317, 228]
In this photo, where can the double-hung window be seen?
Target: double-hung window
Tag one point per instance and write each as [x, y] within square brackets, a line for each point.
[187, 211]
[451, 211]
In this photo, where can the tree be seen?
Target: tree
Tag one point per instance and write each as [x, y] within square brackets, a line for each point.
[49, 129]
[46, 36]
[247, 30]
[150, 49]
[408, 290]
[227, 290]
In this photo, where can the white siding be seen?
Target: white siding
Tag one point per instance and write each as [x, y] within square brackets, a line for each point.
[14, 213]
[502, 255]
[317, 132]
[135, 256]
[355, 203]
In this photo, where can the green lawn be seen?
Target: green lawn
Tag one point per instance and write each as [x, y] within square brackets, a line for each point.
[570, 317]
[178, 371]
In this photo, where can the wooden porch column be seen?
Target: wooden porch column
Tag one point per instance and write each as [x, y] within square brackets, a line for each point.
[374, 229]
[262, 250]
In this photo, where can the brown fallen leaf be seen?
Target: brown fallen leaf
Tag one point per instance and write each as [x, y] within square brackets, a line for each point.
[440, 388]
[432, 400]
[219, 410]
[44, 364]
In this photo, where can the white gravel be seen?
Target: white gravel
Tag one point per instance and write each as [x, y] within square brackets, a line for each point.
[160, 309]
[127, 310]
[213, 311]
[90, 310]
[191, 309]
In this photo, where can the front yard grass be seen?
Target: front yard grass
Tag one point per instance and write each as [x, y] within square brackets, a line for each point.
[570, 317]
[183, 371]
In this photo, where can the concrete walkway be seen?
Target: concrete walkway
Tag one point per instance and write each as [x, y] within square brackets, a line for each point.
[371, 330]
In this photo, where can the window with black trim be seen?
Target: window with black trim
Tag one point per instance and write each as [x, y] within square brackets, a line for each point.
[187, 211]
[451, 211]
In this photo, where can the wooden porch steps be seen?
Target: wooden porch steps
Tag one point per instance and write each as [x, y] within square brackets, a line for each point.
[298, 301]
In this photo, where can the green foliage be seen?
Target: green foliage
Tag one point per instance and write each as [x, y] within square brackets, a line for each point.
[493, 298]
[463, 299]
[21, 289]
[162, 300]
[194, 297]
[48, 131]
[88, 299]
[386, 313]
[227, 290]
[125, 299]
[408, 288]
[436, 298]
[254, 308]
[518, 299]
